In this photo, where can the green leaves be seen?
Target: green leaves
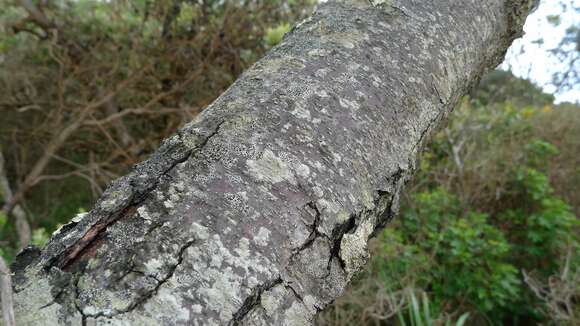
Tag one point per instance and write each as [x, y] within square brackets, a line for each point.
[3, 252]
[467, 257]
[538, 152]
[463, 256]
[533, 183]
[40, 237]
[275, 34]
[3, 220]
[420, 313]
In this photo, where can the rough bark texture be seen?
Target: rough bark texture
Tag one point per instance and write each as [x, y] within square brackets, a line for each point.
[259, 211]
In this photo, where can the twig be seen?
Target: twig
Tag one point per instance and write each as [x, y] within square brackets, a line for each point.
[145, 109]
[136, 111]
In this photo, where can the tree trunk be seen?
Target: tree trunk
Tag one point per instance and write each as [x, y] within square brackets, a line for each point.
[6, 294]
[259, 211]
[20, 220]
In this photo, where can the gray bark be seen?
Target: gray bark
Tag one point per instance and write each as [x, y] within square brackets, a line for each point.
[20, 220]
[6, 294]
[259, 211]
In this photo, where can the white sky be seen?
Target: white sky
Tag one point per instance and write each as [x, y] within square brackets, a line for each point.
[529, 60]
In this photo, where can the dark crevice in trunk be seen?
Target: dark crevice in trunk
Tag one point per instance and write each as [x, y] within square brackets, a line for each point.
[253, 300]
[314, 234]
[89, 243]
[147, 295]
[337, 234]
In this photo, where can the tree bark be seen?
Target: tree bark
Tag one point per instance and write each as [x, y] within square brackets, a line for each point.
[259, 211]
[6, 294]
[20, 219]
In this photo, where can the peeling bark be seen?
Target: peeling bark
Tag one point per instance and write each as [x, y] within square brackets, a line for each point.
[259, 211]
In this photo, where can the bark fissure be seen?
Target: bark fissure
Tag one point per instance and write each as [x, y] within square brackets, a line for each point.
[253, 300]
[337, 234]
[89, 243]
[314, 233]
[288, 286]
[90, 240]
[143, 299]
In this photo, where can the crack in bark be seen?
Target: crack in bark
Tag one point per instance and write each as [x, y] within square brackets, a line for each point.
[338, 233]
[89, 242]
[314, 234]
[143, 299]
[289, 287]
[253, 300]
[350, 225]
[441, 101]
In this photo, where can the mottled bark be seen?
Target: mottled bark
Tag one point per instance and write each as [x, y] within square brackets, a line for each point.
[259, 211]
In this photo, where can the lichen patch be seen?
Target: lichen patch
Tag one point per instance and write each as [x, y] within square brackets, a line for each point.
[270, 168]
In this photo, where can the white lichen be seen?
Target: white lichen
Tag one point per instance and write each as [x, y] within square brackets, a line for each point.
[270, 168]
[354, 248]
[262, 237]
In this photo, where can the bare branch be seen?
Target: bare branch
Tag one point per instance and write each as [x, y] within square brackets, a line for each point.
[36, 14]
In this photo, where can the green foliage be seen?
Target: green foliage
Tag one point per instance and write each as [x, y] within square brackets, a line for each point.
[538, 151]
[501, 86]
[40, 237]
[3, 220]
[275, 34]
[477, 249]
[5, 252]
[419, 313]
[464, 257]
[543, 225]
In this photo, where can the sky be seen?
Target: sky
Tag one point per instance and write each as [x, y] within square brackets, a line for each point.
[534, 62]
